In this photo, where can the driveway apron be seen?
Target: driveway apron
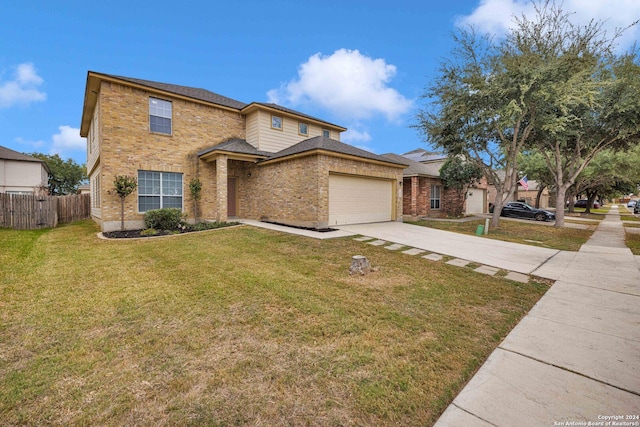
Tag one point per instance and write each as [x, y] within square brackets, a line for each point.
[575, 358]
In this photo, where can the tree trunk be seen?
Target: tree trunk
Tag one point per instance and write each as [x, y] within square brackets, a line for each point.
[560, 193]
[540, 190]
[569, 198]
[121, 213]
[591, 197]
[495, 216]
[195, 211]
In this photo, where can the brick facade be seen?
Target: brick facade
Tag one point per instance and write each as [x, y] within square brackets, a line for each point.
[126, 146]
[286, 190]
[296, 191]
[416, 199]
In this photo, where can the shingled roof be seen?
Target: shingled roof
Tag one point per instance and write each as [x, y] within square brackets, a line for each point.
[236, 145]
[191, 92]
[8, 154]
[422, 155]
[331, 145]
[415, 168]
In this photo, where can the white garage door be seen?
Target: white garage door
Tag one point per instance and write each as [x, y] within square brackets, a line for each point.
[357, 200]
[475, 201]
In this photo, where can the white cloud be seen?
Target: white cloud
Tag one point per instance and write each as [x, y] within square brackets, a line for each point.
[347, 83]
[496, 16]
[23, 88]
[33, 146]
[67, 139]
[355, 135]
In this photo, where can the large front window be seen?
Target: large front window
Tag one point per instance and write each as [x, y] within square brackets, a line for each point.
[159, 190]
[435, 196]
[160, 116]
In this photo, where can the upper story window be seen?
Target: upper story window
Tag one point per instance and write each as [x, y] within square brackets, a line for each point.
[276, 122]
[303, 129]
[160, 116]
[326, 133]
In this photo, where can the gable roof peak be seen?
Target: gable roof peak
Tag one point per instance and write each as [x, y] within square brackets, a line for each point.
[188, 91]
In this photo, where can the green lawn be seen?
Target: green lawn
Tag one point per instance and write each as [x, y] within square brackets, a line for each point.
[525, 232]
[633, 242]
[237, 326]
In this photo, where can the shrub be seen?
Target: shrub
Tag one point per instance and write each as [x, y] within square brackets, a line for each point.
[163, 219]
[210, 225]
[149, 232]
[123, 186]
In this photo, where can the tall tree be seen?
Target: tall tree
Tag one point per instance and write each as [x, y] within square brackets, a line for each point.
[590, 103]
[65, 175]
[549, 85]
[483, 108]
[609, 174]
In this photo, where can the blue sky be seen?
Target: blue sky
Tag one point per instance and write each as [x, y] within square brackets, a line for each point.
[360, 64]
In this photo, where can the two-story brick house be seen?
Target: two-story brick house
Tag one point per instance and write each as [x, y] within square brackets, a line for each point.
[255, 161]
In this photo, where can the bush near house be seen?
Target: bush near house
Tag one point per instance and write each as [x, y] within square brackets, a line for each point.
[164, 219]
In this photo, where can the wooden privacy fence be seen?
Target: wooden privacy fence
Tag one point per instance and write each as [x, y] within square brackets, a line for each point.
[27, 212]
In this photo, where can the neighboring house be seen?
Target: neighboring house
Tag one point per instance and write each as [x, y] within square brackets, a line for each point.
[22, 174]
[84, 189]
[255, 161]
[423, 192]
[529, 196]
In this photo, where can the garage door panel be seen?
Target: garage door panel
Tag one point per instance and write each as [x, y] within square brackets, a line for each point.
[355, 200]
[475, 201]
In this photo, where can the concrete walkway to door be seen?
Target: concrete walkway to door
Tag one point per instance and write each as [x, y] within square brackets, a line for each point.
[575, 358]
[505, 255]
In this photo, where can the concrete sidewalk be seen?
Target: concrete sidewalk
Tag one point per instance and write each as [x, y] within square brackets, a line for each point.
[505, 255]
[575, 358]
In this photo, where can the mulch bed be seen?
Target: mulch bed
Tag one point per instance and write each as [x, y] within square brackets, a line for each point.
[135, 234]
[319, 230]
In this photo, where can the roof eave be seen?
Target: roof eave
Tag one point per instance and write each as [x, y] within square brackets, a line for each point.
[320, 151]
[210, 155]
[90, 99]
[256, 106]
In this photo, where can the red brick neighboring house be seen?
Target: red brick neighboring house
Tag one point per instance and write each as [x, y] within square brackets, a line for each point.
[424, 194]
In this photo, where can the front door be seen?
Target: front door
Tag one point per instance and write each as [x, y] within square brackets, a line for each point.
[232, 196]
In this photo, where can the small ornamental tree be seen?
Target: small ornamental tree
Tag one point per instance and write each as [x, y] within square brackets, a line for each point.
[195, 187]
[123, 186]
[458, 175]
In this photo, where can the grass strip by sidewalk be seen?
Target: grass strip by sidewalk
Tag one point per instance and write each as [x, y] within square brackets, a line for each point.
[530, 233]
[237, 326]
[632, 241]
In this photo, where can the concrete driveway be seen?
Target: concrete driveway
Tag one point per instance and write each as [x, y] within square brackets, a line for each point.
[505, 255]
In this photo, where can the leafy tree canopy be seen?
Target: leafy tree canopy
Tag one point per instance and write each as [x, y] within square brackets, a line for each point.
[65, 176]
[457, 174]
[549, 86]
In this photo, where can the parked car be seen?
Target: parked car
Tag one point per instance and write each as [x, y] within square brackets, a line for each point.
[636, 208]
[632, 203]
[523, 210]
[583, 204]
